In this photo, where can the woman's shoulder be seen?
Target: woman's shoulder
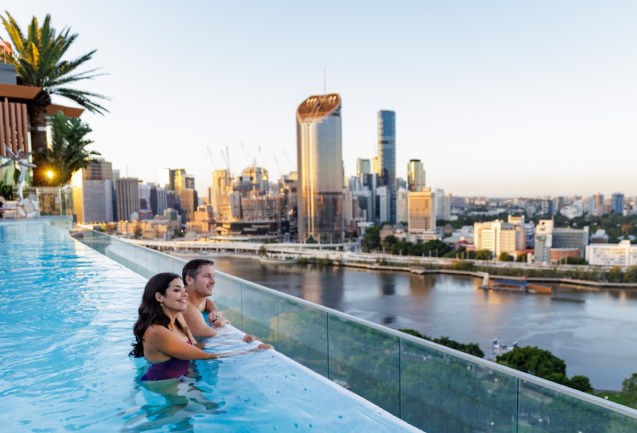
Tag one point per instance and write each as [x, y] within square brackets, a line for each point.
[156, 330]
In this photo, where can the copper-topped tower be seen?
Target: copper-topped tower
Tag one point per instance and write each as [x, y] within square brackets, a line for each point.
[320, 169]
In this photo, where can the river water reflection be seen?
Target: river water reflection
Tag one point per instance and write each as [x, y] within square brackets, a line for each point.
[595, 332]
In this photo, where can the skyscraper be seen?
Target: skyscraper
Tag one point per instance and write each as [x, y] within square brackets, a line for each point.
[127, 197]
[93, 192]
[617, 203]
[415, 175]
[387, 157]
[320, 169]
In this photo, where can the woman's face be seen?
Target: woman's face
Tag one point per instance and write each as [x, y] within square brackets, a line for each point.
[175, 298]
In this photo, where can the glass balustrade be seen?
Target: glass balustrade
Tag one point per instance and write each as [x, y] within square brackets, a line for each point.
[434, 388]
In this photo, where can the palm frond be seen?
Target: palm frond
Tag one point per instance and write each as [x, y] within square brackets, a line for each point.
[39, 60]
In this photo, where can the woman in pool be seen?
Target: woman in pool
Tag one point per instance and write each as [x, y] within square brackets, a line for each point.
[161, 334]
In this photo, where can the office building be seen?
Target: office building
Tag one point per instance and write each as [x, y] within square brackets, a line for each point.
[320, 169]
[415, 175]
[500, 237]
[127, 192]
[363, 166]
[93, 193]
[387, 157]
[220, 190]
[622, 254]
[443, 205]
[598, 200]
[548, 238]
[402, 206]
[158, 199]
[421, 209]
[187, 203]
[177, 179]
[617, 203]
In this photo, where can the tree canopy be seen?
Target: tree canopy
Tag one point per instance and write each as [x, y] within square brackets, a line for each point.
[40, 60]
[68, 152]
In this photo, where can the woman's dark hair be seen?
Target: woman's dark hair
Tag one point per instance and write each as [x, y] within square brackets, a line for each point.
[150, 311]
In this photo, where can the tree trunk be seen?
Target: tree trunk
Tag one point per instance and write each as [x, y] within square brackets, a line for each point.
[38, 120]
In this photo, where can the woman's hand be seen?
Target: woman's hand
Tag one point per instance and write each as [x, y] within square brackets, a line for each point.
[249, 338]
[264, 346]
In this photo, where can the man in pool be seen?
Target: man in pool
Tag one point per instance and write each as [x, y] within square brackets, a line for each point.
[199, 277]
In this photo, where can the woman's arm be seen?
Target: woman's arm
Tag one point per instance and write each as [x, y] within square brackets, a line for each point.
[160, 340]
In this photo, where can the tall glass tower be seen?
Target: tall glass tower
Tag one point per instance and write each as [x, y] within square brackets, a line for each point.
[387, 157]
[415, 175]
[320, 169]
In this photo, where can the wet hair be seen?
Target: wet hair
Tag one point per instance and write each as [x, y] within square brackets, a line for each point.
[150, 311]
[192, 268]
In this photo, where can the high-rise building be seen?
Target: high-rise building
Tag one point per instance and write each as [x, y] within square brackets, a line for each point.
[93, 192]
[421, 213]
[402, 205]
[363, 166]
[187, 202]
[599, 204]
[189, 181]
[387, 157]
[443, 205]
[415, 175]
[127, 197]
[617, 203]
[220, 190]
[320, 169]
[177, 179]
[158, 200]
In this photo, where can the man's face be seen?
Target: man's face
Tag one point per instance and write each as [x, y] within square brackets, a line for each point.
[204, 282]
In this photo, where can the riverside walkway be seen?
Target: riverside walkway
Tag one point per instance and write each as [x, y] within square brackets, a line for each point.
[343, 255]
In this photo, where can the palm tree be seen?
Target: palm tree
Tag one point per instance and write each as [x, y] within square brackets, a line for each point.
[67, 153]
[39, 62]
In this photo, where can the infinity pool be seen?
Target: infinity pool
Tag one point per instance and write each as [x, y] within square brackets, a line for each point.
[66, 315]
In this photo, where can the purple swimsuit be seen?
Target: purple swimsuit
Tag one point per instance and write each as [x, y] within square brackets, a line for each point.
[172, 368]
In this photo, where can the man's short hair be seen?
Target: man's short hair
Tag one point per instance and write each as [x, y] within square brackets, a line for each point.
[192, 268]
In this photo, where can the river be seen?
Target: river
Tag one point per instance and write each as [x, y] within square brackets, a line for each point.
[593, 331]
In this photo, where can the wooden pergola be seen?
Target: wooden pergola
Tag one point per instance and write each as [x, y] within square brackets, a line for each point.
[14, 121]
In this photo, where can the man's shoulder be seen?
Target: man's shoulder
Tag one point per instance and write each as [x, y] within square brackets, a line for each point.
[191, 311]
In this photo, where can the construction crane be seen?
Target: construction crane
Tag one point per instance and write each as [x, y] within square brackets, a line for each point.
[212, 160]
[288, 159]
[245, 154]
[261, 160]
[226, 158]
[278, 166]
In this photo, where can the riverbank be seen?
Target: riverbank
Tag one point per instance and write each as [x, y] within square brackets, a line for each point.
[479, 271]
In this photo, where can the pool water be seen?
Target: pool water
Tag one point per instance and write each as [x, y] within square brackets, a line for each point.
[66, 317]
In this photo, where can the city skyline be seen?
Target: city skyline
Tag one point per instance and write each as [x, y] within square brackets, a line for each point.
[495, 99]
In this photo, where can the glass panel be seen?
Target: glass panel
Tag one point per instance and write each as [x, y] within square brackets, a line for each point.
[366, 361]
[227, 296]
[260, 314]
[443, 393]
[546, 410]
[166, 264]
[303, 334]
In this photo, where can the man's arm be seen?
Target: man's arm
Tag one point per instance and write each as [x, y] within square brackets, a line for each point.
[196, 324]
[214, 315]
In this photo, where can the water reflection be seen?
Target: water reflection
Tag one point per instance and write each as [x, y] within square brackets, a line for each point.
[387, 284]
[592, 330]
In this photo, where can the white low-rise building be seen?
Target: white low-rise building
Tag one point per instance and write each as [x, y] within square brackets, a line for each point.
[621, 254]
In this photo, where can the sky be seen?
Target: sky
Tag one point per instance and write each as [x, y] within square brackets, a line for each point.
[496, 98]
